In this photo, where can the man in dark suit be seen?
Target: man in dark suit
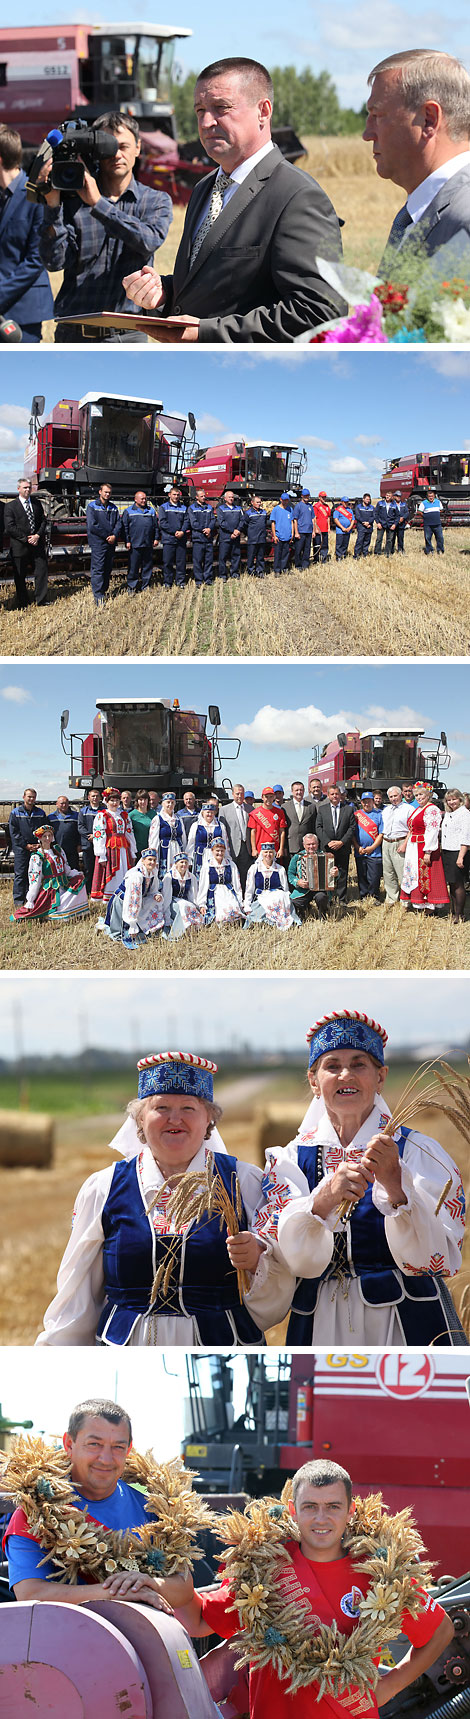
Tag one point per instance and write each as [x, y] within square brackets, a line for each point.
[25, 291]
[336, 830]
[247, 267]
[301, 817]
[418, 122]
[25, 521]
[234, 818]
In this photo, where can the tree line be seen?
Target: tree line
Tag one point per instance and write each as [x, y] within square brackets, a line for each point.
[310, 104]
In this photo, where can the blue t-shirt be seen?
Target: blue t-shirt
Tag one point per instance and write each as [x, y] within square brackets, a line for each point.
[364, 838]
[125, 1508]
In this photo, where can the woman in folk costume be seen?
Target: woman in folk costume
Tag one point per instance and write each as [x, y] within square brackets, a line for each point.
[381, 1222]
[201, 834]
[54, 891]
[267, 896]
[220, 892]
[114, 846]
[179, 897]
[423, 883]
[167, 833]
[130, 1274]
[136, 910]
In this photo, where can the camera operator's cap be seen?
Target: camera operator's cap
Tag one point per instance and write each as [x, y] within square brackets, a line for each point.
[176, 1071]
[346, 1029]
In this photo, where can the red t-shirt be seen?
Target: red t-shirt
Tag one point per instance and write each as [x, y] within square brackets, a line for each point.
[338, 1580]
[267, 823]
[322, 515]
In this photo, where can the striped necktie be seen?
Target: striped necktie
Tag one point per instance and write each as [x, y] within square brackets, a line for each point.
[216, 204]
[30, 515]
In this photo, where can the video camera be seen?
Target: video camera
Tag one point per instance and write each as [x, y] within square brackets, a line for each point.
[72, 149]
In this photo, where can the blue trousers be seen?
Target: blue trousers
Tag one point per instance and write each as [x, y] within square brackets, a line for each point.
[20, 876]
[433, 529]
[174, 561]
[140, 561]
[255, 554]
[281, 556]
[320, 546]
[369, 872]
[203, 559]
[303, 544]
[229, 553]
[102, 557]
[362, 544]
[342, 544]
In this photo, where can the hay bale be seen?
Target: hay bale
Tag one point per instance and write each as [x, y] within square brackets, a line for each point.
[275, 1125]
[25, 1138]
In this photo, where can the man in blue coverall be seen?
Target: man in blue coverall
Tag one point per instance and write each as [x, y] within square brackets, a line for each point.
[365, 515]
[255, 522]
[303, 529]
[387, 515]
[280, 520]
[139, 524]
[230, 523]
[398, 541]
[25, 819]
[344, 522]
[201, 523]
[368, 849]
[172, 527]
[103, 523]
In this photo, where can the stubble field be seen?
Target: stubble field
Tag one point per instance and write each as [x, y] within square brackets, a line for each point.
[37, 1205]
[366, 936]
[411, 605]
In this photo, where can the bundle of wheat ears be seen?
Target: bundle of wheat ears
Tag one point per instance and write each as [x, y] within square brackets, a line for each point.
[279, 1630]
[420, 1093]
[198, 1195]
[38, 1477]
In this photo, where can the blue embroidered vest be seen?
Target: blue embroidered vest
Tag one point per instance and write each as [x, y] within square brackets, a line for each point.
[419, 1302]
[200, 843]
[167, 834]
[265, 881]
[203, 1285]
[214, 879]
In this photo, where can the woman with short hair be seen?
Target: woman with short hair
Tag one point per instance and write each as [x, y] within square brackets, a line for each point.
[455, 850]
[141, 818]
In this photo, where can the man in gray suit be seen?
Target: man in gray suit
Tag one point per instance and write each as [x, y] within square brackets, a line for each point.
[234, 817]
[301, 816]
[419, 124]
[246, 269]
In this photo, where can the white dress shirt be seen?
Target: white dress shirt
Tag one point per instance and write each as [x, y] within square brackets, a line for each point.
[242, 817]
[424, 194]
[395, 821]
[239, 174]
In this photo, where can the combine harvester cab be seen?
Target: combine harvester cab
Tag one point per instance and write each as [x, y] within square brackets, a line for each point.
[448, 473]
[149, 740]
[380, 759]
[267, 468]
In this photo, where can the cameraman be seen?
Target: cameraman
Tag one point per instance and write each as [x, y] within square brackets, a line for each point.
[118, 228]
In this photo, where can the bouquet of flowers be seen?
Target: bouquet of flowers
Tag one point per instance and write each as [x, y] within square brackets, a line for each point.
[417, 303]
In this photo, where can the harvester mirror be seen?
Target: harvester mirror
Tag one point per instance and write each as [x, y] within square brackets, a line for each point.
[443, 738]
[214, 715]
[37, 405]
[341, 738]
[192, 422]
[64, 721]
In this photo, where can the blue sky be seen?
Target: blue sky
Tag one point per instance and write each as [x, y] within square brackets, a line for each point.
[350, 412]
[346, 39]
[279, 710]
[48, 1388]
[204, 1012]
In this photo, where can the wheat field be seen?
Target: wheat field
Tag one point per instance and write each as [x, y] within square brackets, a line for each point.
[345, 169]
[366, 936]
[413, 605]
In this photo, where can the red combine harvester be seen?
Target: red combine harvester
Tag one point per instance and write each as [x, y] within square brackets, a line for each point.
[379, 759]
[397, 1420]
[447, 473]
[49, 74]
[151, 741]
[265, 467]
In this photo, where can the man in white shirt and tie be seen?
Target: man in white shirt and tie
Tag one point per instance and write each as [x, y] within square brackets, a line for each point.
[336, 830]
[25, 523]
[246, 268]
[234, 817]
[419, 125]
[395, 831]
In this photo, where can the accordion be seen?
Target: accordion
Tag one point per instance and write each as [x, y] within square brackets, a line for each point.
[317, 871]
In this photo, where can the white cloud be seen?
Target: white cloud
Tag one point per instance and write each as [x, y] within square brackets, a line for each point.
[309, 726]
[16, 694]
[368, 441]
[315, 442]
[208, 426]
[347, 463]
[454, 365]
[15, 415]
[8, 440]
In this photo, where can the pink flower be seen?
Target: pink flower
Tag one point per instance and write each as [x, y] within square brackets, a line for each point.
[363, 325]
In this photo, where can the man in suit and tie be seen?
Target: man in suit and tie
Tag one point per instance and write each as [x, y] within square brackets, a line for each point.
[301, 817]
[419, 125]
[336, 830]
[247, 267]
[234, 817]
[25, 291]
[25, 522]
